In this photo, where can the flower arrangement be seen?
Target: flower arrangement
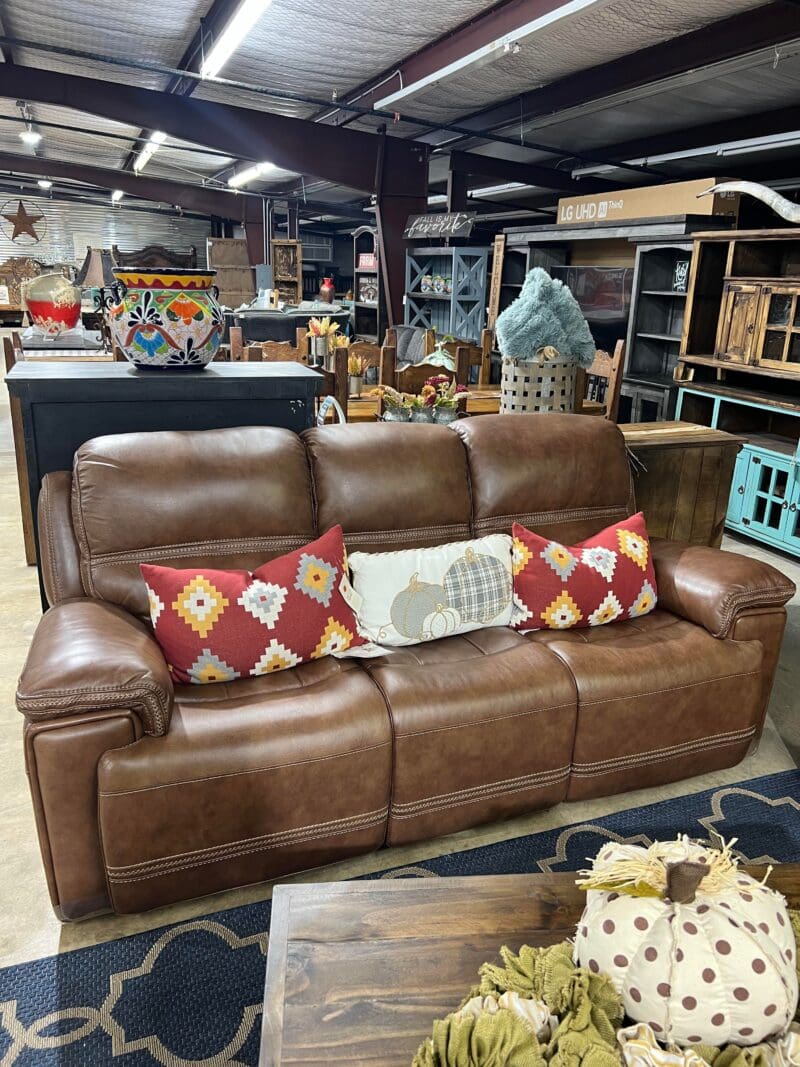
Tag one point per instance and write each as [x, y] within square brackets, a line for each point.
[322, 327]
[356, 365]
[393, 399]
[440, 391]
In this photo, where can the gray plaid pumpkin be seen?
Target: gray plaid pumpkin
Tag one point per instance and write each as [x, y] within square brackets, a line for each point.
[412, 606]
[477, 586]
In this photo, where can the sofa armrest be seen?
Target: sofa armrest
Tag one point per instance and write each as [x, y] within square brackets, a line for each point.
[90, 656]
[710, 587]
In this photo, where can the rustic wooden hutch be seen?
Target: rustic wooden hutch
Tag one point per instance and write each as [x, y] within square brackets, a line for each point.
[739, 370]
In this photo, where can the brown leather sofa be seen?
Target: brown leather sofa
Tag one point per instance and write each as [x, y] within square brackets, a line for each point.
[147, 793]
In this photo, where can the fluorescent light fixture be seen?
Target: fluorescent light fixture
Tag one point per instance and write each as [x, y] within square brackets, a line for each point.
[742, 147]
[437, 198]
[116, 196]
[44, 183]
[507, 44]
[30, 137]
[496, 190]
[154, 142]
[250, 174]
[244, 18]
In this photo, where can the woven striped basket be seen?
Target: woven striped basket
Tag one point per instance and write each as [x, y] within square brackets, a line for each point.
[546, 383]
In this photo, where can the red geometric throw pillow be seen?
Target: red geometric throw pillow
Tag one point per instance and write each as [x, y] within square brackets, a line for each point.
[607, 577]
[215, 626]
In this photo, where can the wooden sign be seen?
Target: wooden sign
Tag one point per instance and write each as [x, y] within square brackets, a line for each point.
[448, 224]
[497, 278]
[648, 202]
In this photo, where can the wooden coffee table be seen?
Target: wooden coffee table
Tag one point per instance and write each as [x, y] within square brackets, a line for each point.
[358, 971]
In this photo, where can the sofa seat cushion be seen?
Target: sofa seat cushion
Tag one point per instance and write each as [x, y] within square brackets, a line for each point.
[483, 729]
[659, 699]
[254, 779]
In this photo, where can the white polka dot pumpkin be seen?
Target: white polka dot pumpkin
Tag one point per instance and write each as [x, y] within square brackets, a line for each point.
[700, 951]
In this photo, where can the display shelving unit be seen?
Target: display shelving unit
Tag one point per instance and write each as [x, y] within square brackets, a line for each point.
[369, 314]
[287, 270]
[655, 328]
[460, 311]
[739, 370]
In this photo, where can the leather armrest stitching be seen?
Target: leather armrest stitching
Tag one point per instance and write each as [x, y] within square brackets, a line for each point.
[766, 595]
[51, 556]
[148, 698]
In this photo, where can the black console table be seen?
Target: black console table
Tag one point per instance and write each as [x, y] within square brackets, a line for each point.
[65, 404]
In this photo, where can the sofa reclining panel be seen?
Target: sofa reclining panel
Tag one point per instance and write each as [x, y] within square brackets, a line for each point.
[484, 725]
[273, 774]
[659, 699]
[563, 476]
[388, 487]
[228, 498]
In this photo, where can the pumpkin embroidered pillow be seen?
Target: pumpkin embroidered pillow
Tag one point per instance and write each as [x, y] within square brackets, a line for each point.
[421, 594]
[607, 577]
[216, 626]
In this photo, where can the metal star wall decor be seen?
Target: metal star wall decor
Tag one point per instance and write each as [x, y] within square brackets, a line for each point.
[22, 220]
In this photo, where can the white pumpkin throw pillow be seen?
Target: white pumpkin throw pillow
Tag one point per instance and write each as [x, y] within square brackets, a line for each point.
[421, 594]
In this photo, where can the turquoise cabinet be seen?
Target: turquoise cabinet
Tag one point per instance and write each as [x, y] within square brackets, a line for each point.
[765, 494]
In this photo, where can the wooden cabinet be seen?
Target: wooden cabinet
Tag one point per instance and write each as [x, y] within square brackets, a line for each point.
[765, 494]
[759, 325]
[737, 322]
[287, 270]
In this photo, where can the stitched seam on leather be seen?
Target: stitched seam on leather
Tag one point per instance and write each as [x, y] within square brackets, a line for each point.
[239, 774]
[45, 493]
[661, 755]
[486, 794]
[475, 792]
[83, 537]
[490, 719]
[142, 697]
[671, 688]
[765, 594]
[402, 535]
[545, 518]
[140, 872]
[191, 548]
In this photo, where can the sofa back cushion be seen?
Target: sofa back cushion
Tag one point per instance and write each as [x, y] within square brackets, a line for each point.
[565, 477]
[229, 498]
[390, 485]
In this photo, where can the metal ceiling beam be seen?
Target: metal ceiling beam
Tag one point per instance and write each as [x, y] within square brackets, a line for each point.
[528, 173]
[214, 20]
[731, 38]
[763, 124]
[347, 157]
[186, 197]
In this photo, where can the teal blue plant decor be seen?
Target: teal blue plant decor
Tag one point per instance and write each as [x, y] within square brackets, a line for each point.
[545, 316]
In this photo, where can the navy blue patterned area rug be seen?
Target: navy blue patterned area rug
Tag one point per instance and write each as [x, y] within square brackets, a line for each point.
[191, 993]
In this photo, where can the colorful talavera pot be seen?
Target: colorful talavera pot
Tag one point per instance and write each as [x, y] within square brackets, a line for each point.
[165, 319]
[54, 303]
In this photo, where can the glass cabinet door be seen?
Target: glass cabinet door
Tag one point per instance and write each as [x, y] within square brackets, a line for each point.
[779, 333]
[738, 488]
[767, 494]
[791, 528]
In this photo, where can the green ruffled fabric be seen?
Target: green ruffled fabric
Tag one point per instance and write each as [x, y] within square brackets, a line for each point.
[589, 1007]
[500, 1040]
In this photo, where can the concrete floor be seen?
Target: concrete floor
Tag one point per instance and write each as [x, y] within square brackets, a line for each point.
[28, 927]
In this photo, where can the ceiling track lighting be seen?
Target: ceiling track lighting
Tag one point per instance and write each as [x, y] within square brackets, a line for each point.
[154, 142]
[116, 196]
[250, 174]
[44, 183]
[241, 23]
